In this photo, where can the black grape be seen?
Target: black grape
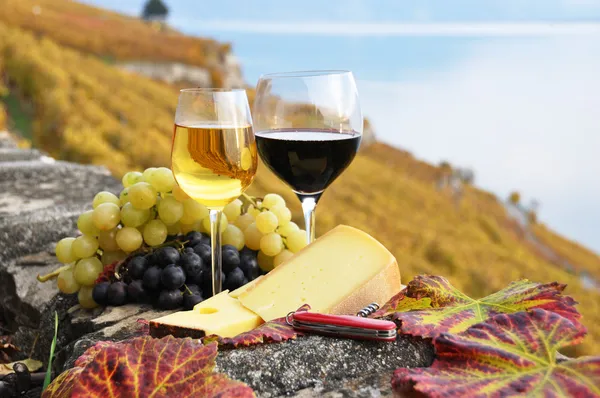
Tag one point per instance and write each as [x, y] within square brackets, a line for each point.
[117, 294]
[231, 258]
[189, 301]
[191, 264]
[249, 265]
[170, 299]
[204, 251]
[23, 381]
[137, 293]
[99, 294]
[152, 278]
[136, 267]
[235, 279]
[167, 255]
[172, 277]
[195, 289]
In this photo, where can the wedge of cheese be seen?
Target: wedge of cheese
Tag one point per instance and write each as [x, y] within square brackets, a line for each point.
[340, 273]
[222, 315]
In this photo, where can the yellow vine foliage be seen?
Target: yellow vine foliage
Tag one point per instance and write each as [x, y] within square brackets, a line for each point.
[91, 112]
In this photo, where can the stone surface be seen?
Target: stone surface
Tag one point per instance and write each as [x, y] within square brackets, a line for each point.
[321, 364]
[40, 200]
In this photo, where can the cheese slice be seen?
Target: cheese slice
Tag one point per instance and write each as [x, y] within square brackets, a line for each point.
[340, 273]
[236, 293]
[222, 315]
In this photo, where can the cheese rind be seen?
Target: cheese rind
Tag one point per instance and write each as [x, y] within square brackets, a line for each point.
[222, 315]
[340, 273]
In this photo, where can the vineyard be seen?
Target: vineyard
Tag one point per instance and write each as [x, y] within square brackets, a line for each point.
[83, 109]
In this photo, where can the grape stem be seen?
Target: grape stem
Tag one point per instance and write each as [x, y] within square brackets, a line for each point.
[188, 290]
[53, 274]
[250, 199]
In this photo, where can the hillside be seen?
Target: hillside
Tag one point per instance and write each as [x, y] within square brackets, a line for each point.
[83, 109]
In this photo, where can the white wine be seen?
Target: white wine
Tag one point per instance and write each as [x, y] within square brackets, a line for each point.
[214, 164]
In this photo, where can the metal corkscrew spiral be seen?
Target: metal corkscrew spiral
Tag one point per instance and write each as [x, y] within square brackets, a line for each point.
[368, 310]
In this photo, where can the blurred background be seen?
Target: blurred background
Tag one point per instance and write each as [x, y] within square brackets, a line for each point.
[479, 155]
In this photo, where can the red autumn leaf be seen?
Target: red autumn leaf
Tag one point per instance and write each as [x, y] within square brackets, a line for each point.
[452, 311]
[144, 366]
[508, 355]
[108, 272]
[276, 330]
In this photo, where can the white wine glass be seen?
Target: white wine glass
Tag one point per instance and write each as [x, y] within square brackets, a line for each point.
[308, 129]
[214, 156]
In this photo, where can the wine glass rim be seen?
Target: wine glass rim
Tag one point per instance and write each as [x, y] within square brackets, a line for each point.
[211, 90]
[306, 73]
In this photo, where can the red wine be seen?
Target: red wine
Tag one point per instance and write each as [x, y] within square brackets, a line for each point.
[308, 160]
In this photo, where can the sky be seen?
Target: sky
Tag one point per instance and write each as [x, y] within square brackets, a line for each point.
[509, 88]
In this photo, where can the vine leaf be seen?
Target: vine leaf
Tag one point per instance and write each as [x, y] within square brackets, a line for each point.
[508, 355]
[430, 305]
[142, 367]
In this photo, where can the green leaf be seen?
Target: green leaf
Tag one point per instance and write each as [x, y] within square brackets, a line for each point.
[452, 311]
[48, 377]
[145, 367]
[508, 355]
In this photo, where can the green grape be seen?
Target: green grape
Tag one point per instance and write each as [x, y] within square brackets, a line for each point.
[106, 216]
[155, 232]
[265, 262]
[253, 211]
[206, 223]
[107, 240]
[283, 214]
[132, 217]
[85, 224]
[266, 222]
[87, 270]
[193, 211]
[287, 229]
[66, 282]
[142, 195]
[179, 194]
[105, 197]
[282, 257]
[170, 210]
[185, 228]
[147, 174]
[133, 177]
[244, 221]
[252, 236]
[271, 200]
[129, 239]
[110, 257]
[64, 252]
[296, 240]
[233, 236]
[271, 244]
[233, 210]
[124, 197]
[84, 246]
[174, 229]
[85, 297]
[162, 179]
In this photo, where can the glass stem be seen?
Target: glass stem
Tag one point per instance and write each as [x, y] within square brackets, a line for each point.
[309, 204]
[215, 239]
